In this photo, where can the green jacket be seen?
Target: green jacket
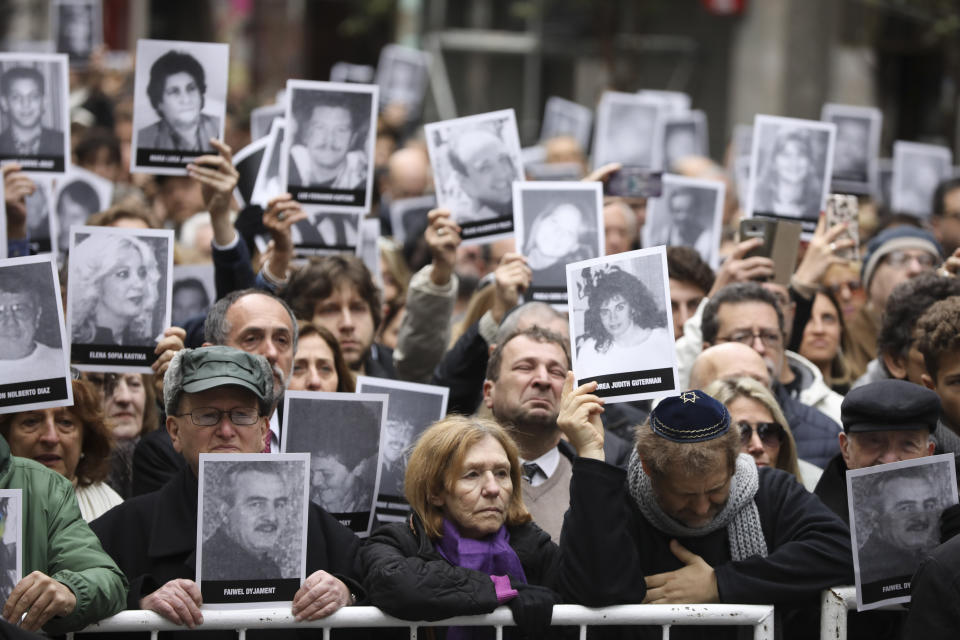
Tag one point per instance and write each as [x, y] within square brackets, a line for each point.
[57, 542]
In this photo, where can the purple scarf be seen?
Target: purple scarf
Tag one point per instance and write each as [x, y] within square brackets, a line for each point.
[493, 556]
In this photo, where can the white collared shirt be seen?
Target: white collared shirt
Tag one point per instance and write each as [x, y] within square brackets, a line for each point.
[548, 464]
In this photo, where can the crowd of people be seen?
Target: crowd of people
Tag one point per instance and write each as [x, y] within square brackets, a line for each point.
[533, 491]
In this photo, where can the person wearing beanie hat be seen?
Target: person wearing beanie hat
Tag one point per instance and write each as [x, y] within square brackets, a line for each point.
[218, 400]
[893, 256]
[692, 520]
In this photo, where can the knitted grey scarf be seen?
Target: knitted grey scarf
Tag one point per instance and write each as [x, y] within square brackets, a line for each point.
[740, 515]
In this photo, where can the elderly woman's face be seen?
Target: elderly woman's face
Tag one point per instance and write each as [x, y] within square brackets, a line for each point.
[792, 162]
[559, 233]
[478, 501]
[125, 404]
[124, 288]
[615, 316]
[181, 101]
[52, 437]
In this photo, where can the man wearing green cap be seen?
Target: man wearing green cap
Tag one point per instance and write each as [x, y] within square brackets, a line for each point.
[217, 400]
[692, 520]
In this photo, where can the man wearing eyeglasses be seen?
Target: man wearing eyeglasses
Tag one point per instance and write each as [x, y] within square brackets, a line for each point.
[217, 401]
[21, 356]
[893, 256]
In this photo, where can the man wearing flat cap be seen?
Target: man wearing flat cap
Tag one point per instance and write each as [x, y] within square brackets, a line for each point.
[692, 520]
[217, 400]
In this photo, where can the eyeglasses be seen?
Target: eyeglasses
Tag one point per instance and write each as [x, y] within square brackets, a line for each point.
[770, 433]
[900, 259]
[837, 289]
[209, 416]
[19, 310]
[770, 339]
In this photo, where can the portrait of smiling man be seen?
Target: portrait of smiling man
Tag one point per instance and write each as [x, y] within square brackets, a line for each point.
[23, 95]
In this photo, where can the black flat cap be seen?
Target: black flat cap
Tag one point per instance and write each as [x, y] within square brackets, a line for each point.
[890, 405]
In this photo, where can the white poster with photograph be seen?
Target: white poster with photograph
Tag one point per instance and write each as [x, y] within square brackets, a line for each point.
[857, 148]
[673, 102]
[327, 156]
[408, 217]
[679, 136]
[34, 367]
[77, 28]
[556, 223]
[790, 166]
[3, 227]
[475, 161]
[118, 296]
[11, 545]
[895, 522]
[261, 119]
[42, 225]
[403, 78]
[626, 126]
[344, 449]
[412, 408]
[688, 213]
[917, 170]
[566, 118]
[354, 73]
[251, 528]
[35, 111]
[324, 232]
[179, 103]
[368, 246]
[247, 162]
[268, 183]
[77, 196]
[194, 292]
[621, 325]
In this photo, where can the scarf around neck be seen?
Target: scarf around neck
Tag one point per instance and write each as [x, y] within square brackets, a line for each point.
[740, 515]
[492, 555]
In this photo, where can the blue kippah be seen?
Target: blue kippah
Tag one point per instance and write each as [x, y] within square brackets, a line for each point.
[693, 416]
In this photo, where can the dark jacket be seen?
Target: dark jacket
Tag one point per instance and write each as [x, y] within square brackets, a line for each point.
[814, 432]
[153, 540]
[462, 370]
[608, 547]
[934, 614]
[225, 559]
[51, 143]
[407, 577]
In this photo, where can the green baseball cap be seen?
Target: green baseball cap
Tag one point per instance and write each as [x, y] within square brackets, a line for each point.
[217, 366]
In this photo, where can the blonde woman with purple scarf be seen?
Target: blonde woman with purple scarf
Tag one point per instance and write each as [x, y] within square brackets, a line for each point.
[469, 545]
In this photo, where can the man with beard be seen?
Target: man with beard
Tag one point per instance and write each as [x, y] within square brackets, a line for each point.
[241, 548]
[328, 151]
[21, 98]
[251, 320]
[486, 173]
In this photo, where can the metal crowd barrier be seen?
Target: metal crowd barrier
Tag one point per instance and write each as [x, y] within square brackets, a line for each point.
[760, 617]
[834, 605]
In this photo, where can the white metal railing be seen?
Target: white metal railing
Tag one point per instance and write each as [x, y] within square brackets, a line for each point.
[760, 617]
[834, 605]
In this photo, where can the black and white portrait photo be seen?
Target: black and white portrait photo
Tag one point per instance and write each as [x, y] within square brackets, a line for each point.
[262, 118]
[917, 170]
[35, 111]
[77, 28]
[403, 78]
[475, 161]
[671, 102]
[77, 196]
[251, 527]
[118, 300]
[268, 183]
[247, 162]
[42, 225]
[344, 449]
[412, 408]
[557, 223]
[688, 213]
[34, 368]
[179, 103]
[679, 136]
[324, 232]
[193, 292]
[625, 131]
[857, 147]
[408, 216]
[11, 540]
[790, 168]
[563, 117]
[621, 325]
[894, 522]
[327, 156]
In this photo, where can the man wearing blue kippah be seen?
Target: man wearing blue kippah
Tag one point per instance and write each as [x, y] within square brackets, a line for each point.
[692, 520]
